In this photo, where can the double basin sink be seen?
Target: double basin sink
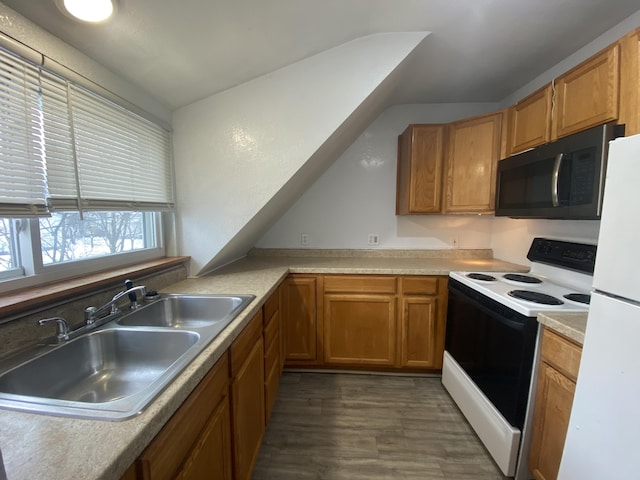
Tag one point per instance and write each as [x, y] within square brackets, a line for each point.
[114, 372]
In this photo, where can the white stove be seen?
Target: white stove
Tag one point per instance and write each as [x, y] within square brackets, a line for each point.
[542, 289]
[492, 337]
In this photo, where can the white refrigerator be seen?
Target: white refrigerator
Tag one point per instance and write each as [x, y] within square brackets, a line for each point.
[603, 440]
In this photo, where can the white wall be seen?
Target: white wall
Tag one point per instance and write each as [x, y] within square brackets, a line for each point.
[511, 238]
[237, 151]
[356, 195]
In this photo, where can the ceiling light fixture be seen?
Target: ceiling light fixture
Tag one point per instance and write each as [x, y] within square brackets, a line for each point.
[91, 11]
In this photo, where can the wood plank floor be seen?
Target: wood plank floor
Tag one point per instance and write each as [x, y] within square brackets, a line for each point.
[346, 426]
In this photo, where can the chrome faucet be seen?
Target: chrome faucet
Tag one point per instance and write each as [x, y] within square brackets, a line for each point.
[62, 327]
[91, 313]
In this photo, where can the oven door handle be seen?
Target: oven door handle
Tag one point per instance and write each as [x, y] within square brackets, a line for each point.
[555, 180]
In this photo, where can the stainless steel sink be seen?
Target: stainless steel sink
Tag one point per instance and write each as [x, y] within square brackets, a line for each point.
[187, 311]
[99, 367]
[114, 372]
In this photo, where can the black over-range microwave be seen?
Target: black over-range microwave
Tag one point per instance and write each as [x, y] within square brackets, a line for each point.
[561, 179]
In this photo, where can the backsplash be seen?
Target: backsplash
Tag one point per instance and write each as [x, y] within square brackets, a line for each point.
[24, 331]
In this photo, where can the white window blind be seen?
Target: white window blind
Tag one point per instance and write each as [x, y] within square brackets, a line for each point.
[66, 148]
[116, 160]
[23, 187]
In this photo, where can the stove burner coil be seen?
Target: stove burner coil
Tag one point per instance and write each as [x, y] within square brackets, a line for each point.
[516, 277]
[535, 297]
[579, 297]
[481, 276]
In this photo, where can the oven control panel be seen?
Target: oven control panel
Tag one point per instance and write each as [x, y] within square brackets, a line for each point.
[575, 256]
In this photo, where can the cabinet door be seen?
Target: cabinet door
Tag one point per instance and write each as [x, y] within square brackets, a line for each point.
[418, 333]
[530, 121]
[629, 113]
[359, 329]
[420, 161]
[175, 443]
[211, 457]
[247, 412]
[472, 155]
[587, 95]
[422, 321]
[551, 420]
[299, 320]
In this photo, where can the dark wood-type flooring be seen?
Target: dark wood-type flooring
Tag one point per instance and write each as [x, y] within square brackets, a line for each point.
[348, 426]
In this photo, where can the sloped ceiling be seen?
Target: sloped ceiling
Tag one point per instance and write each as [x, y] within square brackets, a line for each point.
[181, 51]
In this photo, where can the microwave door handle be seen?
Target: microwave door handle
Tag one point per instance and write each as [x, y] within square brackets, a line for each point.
[555, 180]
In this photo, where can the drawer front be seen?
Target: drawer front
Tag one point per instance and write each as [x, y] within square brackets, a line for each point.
[271, 384]
[561, 353]
[419, 285]
[271, 306]
[271, 329]
[359, 284]
[243, 344]
[271, 356]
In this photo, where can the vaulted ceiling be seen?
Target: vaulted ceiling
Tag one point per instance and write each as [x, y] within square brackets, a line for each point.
[479, 50]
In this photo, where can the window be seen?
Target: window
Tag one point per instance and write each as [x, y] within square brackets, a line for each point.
[83, 181]
[9, 258]
[64, 237]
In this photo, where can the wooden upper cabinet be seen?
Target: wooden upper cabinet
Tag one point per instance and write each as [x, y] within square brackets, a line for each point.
[473, 150]
[420, 159]
[529, 121]
[588, 94]
[629, 112]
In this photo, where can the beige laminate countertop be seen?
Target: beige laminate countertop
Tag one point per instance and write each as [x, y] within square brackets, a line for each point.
[47, 447]
[571, 325]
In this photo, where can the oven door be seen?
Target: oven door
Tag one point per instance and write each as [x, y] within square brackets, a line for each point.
[494, 346]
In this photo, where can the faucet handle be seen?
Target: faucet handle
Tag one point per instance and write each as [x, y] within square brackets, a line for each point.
[62, 328]
[128, 285]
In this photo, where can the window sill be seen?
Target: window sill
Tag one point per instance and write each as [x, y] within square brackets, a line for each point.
[26, 299]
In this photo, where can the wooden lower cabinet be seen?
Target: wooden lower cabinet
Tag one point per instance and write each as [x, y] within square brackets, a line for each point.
[210, 457]
[422, 321]
[272, 351]
[197, 439]
[217, 432]
[247, 398]
[374, 322]
[300, 320]
[559, 364]
[359, 329]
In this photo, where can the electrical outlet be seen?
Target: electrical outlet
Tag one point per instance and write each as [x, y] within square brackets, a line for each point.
[304, 239]
[373, 239]
[454, 242]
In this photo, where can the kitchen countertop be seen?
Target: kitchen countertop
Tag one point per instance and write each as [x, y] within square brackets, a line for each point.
[42, 446]
[571, 325]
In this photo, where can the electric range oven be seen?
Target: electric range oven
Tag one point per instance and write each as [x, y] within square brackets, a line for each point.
[491, 342]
